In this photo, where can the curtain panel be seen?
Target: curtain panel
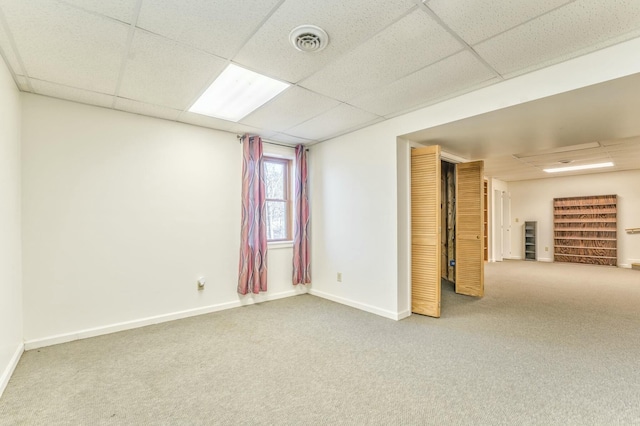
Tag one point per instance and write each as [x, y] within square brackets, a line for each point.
[301, 253]
[253, 244]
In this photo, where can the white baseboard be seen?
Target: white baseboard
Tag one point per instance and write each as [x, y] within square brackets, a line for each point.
[362, 306]
[404, 314]
[545, 259]
[8, 371]
[628, 265]
[143, 322]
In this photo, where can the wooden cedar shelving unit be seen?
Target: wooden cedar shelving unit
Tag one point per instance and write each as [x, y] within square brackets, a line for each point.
[585, 230]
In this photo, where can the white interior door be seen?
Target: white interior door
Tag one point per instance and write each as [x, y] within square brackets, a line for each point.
[497, 225]
[506, 222]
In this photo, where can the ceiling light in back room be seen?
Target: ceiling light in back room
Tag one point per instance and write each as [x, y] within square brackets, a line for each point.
[581, 167]
[236, 93]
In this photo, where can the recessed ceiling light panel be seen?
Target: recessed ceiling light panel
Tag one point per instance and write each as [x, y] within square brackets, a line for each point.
[582, 167]
[308, 38]
[236, 93]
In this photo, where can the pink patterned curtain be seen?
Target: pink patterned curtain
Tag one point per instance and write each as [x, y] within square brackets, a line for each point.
[253, 244]
[301, 254]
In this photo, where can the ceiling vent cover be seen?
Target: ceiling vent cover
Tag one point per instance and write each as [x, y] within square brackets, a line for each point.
[309, 38]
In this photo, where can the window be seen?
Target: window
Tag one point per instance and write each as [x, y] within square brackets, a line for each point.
[277, 172]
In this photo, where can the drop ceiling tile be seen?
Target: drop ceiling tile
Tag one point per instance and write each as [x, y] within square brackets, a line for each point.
[206, 121]
[290, 108]
[348, 24]
[478, 20]
[23, 83]
[146, 109]
[242, 129]
[121, 10]
[453, 75]
[216, 27]
[71, 93]
[7, 53]
[288, 139]
[336, 121]
[65, 45]
[408, 45]
[161, 72]
[574, 29]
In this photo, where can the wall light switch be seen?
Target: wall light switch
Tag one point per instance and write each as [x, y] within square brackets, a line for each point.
[201, 283]
[339, 277]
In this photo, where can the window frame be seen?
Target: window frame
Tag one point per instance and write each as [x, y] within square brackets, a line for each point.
[288, 200]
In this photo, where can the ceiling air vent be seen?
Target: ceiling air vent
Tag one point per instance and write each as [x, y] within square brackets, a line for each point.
[309, 38]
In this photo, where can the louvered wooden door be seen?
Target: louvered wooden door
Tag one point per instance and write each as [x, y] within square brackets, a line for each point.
[425, 231]
[470, 229]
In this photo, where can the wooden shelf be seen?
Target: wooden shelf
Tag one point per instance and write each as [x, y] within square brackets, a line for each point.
[584, 202]
[590, 239]
[585, 255]
[571, 212]
[589, 221]
[586, 247]
[600, 229]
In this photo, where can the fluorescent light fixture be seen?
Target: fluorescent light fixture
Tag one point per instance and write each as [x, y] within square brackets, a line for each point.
[582, 167]
[236, 93]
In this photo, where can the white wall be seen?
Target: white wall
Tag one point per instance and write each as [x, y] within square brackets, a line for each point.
[533, 200]
[353, 217]
[10, 258]
[355, 181]
[121, 214]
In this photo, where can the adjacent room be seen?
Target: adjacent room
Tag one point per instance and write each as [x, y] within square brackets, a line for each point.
[217, 212]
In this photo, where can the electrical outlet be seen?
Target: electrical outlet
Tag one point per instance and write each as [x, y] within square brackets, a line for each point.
[546, 249]
[517, 220]
[339, 277]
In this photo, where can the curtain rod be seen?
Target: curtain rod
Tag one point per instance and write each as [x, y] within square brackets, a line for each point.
[271, 143]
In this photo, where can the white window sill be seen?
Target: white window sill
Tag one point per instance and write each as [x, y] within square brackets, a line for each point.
[279, 245]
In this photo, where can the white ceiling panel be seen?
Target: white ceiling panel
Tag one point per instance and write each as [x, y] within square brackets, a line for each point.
[288, 139]
[206, 121]
[218, 27]
[408, 45]
[146, 109]
[71, 93]
[242, 129]
[478, 20]
[348, 23]
[456, 73]
[384, 58]
[23, 83]
[65, 45]
[340, 119]
[566, 32]
[7, 52]
[122, 10]
[292, 107]
[161, 72]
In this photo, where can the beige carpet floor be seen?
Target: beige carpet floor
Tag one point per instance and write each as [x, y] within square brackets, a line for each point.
[548, 344]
